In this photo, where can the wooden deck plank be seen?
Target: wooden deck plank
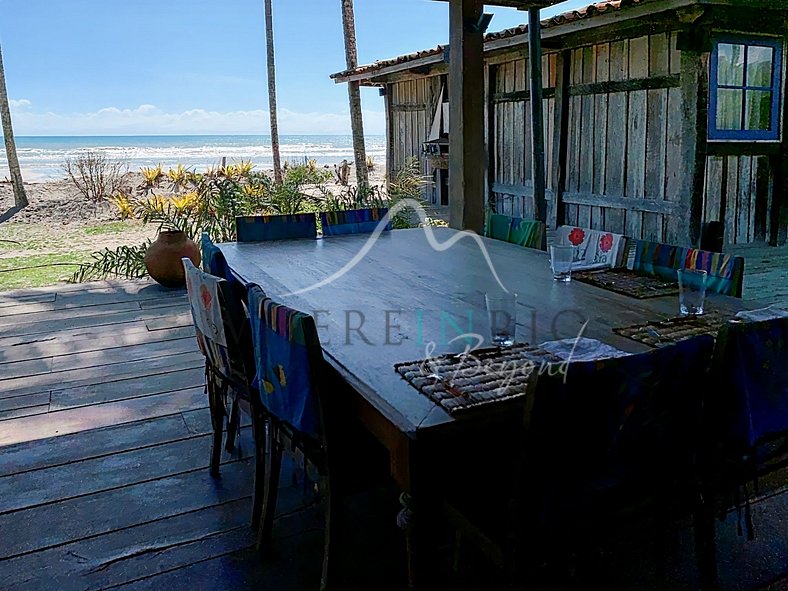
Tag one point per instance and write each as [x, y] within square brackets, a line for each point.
[98, 374]
[54, 451]
[149, 298]
[66, 315]
[124, 468]
[71, 342]
[93, 320]
[66, 521]
[125, 555]
[73, 420]
[134, 387]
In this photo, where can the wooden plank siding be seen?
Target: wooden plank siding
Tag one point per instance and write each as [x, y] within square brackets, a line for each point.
[411, 107]
[738, 192]
[511, 178]
[623, 137]
[626, 151]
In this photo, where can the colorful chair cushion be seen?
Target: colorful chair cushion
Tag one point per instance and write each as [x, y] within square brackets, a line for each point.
[752, 367]
[518, 231]
[353, 221]
[725, 272]
[213, 260]
[287, 356]
[594, 249]
[259, 228]
[622, 418]
[218, 322]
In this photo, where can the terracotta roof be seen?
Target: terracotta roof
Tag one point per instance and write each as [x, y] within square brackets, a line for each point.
[566, 17]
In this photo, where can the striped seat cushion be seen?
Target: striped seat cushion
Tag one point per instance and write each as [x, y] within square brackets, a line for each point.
[260, 228]
[353, 221]
[514, 230]
[725, 271]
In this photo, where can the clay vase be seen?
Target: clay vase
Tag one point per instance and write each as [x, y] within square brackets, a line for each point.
[163, 258]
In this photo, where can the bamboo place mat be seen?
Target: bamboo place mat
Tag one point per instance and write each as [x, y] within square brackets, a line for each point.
[660, 333]
[459, 383]
[628, 283]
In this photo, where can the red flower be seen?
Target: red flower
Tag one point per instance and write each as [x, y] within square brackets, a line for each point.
[576, 236]
[605, 242]
[206, 297]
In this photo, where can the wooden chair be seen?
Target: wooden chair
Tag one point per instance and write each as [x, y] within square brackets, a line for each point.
[260, 228]
[725, 271]
[605, 449]
[353, 221]
[747, 418]
[290, 381]
[528, 233]
[224, 339]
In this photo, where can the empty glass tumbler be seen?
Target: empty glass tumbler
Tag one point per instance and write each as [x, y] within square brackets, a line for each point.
[561, 261]
[692, 291]
[502, 314]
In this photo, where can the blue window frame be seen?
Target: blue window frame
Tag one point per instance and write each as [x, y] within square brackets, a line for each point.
[744, 88]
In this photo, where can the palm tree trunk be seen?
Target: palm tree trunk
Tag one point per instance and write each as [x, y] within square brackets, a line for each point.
[354, 95]
[269, 41]
[20, 198]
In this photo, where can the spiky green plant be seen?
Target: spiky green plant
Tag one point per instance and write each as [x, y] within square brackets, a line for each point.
[127, 262]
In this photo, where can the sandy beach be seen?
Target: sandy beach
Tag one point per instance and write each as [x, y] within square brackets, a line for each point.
[60, 228]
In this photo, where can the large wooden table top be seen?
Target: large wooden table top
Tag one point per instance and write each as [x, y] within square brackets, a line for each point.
[409, 294]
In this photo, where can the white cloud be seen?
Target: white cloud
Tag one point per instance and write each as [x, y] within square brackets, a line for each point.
[19, 103]
[149, 119]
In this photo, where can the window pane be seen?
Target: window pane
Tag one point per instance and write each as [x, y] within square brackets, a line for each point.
[758, 110]
[730, 64]
[759, 66]
[729, 108]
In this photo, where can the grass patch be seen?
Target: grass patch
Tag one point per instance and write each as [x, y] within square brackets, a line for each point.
[108, 228]
[37, 270]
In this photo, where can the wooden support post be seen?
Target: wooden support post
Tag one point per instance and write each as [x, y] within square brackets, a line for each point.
[560, 118]
[694, 111]
[537, 118]
[467, 157]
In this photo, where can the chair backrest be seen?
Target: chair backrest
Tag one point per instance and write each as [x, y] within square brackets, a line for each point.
[628, 418]
[288, 359]
[751, 373]
[260, 228]
[213, 260]
[725, 271]
[220, 323]
[528, 233]
[593, 248]
[352, 221]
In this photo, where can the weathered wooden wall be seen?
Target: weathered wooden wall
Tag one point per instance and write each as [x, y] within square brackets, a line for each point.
[738, 192]
[624, 129]
[412, 105]
[510, 175]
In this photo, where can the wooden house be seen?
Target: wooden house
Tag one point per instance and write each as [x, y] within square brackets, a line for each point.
[660, 118]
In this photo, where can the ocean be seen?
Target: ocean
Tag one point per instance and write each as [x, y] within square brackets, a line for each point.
[41, 158]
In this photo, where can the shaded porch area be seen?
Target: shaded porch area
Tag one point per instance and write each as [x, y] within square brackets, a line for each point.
[104, 446]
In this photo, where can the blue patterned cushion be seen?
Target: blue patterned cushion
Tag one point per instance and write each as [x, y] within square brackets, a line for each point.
[753, 366]
[287, 356]
[352, 221]
[260, 228]
[622, 418]
[725, 272]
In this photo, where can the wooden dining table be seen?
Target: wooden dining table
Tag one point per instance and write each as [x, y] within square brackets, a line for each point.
[405, 295]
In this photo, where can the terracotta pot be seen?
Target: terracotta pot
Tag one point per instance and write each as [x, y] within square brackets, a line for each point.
[163, 259]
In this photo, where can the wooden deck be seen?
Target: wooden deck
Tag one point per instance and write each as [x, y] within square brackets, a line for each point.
[103, 467]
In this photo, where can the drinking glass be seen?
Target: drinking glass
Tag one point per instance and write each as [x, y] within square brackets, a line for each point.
[692, 291]
[502, 313]
[561, 261]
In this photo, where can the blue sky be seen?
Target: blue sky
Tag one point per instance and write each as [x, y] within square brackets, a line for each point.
[93, 67]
